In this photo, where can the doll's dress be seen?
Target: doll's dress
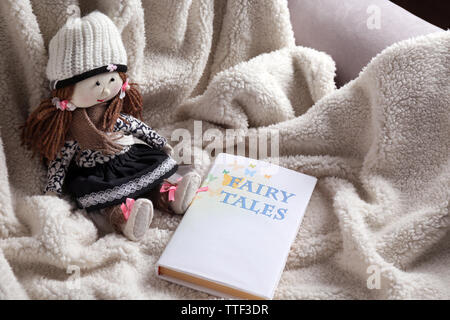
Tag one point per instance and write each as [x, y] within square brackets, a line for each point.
[97, 181]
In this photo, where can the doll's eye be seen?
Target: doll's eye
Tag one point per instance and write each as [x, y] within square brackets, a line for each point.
[97, 83]
[112, 79]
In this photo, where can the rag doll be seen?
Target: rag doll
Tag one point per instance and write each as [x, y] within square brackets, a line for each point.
[90, 135]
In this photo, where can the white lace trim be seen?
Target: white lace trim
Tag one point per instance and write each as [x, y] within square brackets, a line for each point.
[128, 188]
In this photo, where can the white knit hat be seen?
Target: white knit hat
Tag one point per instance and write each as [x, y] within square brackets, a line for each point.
[84, 47]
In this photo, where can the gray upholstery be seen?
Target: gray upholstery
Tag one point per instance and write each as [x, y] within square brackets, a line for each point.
[339, 27]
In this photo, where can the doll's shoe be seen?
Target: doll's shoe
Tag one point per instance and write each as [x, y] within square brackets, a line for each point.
[185, 192]
[139, 220]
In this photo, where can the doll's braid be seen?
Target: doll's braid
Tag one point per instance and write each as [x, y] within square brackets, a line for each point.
[45, 130]
[131, 104]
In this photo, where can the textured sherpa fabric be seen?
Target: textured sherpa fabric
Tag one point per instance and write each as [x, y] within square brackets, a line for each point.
[379, 147]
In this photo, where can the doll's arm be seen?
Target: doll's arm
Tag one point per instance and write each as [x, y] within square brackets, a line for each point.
[57, 168]
[141, 131]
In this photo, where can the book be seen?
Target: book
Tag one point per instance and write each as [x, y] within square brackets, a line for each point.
[234, 239]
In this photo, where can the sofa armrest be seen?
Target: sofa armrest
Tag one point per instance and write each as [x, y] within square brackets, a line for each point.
[341, 29]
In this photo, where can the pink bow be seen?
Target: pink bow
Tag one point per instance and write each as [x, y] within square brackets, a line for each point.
[124, 88]
[126, 208]
[171, 188]
[63, 104]
[168, 187]
[111, 67]
[203, 189]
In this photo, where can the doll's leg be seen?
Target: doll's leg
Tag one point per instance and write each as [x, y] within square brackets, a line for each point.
[187, 183]
[353, 31]
[101, 221]
[138, 221]
[186, 190]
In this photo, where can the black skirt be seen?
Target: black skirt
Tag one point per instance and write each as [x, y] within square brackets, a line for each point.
[129, 175]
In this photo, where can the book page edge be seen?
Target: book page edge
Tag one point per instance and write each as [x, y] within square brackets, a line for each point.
[244, 294]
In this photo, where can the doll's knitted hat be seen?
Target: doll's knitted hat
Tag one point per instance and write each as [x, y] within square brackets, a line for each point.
[84, 47]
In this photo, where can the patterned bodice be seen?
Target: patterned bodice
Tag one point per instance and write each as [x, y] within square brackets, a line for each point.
[71, 150]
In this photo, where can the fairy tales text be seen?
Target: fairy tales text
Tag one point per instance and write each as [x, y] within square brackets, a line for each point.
[231, 197]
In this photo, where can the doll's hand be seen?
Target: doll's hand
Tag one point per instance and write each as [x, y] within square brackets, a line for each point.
[168, 149]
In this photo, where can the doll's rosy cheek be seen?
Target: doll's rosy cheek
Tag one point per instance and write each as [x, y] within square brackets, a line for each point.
[116, 87]
[90, 99]
[87, 95]
[84, 96]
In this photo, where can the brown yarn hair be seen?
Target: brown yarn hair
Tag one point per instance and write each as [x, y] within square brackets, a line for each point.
[46, 128]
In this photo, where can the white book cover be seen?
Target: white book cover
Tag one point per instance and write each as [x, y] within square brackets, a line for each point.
[238, 233]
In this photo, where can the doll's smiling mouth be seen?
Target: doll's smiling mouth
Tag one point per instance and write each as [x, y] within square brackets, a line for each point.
[100, 100]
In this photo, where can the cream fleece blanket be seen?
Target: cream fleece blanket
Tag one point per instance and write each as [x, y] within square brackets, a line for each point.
[377, 226]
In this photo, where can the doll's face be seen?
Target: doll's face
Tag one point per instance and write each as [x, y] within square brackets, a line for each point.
[96, 89]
